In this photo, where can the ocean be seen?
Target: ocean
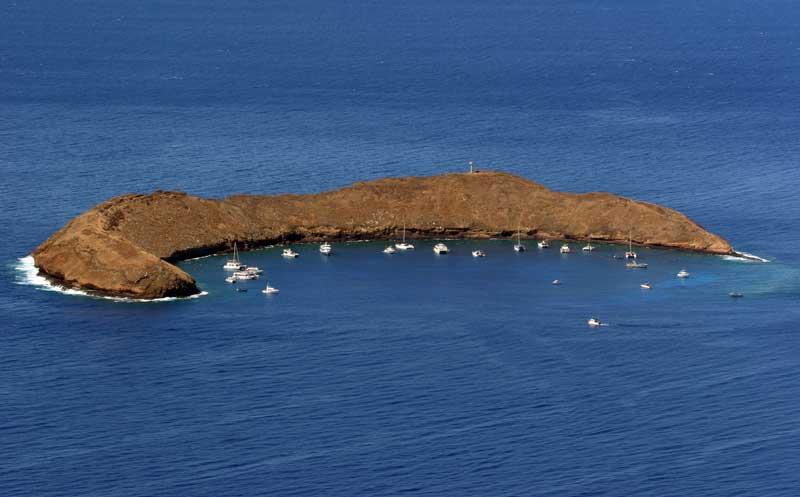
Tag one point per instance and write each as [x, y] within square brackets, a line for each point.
[412, 374]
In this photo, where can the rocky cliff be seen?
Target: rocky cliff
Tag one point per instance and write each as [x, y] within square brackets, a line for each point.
[125, 246]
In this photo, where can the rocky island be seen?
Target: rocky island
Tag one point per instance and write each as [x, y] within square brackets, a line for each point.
[126, 246]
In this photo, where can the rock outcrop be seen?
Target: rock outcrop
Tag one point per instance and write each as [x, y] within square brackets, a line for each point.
[125, 246]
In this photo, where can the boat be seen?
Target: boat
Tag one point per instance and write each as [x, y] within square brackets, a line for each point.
[646, 286]
[594, 322]
[519, 247]
[230, 279]
[630, 254]
[325, 249]
[478, 253]
[289, 253]
[636, 265]
[241, 289]
[233, 264]
[403, 245]
[588, 248]
[440, 249]
[683, 273]
[253, 269]
[565, 249]
[556, 282]
[736, 295]
[269, 290]
[543, 244]
[389, 250]
[244, 275]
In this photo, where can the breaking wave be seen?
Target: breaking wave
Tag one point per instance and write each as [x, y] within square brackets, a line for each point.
[28, 274]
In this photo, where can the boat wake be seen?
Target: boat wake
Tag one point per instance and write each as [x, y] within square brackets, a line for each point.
[28, 274]
[744, 257]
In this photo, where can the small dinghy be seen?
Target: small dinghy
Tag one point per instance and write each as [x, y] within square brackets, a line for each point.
[646, 286]
[478, 253]
[595, 322]
[556, 282]
[230, 279]
[683, 273]
[735, 295]
[389, 250]
[240, 289]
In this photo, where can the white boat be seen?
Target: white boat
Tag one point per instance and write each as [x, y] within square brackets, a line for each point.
[245, 275]
[389, 250]
[556, 282]
[543, 244]
[289, 253]
[230, 279]
[630, 254]
[636, 265]
[588, 248]
[594, 322]
[325, 249]
[519, 247]
[735, 295]
[565, 249]
[270, 290]
[646, 286]
[440, 249]
[478, 253]
[233, 264]
[683, 273]
[403, 245]
[253, 269]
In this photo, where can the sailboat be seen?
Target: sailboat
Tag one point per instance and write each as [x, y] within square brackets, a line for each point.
[403, 245]
[630, 254]
[233, 264]
[270, 290]
[519, 247]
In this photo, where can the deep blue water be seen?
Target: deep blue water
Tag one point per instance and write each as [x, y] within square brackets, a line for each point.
[411, 374]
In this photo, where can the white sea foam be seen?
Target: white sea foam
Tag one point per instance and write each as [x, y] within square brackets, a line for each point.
[744, 257]
[28, 274]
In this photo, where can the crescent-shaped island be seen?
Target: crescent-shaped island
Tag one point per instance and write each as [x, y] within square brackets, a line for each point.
[126, 246]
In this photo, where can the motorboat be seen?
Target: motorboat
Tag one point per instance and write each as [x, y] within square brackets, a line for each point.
[253, 269]
[594, 322]
[588, 248]
[735, 295]
[646, 286]
[683, 273]
[325, 249]
[244, 275]
[269, 290]
[389, 250]
[289, 253]
[543, 244]
[636, 265]
[440, 249]
[233, 264]
[403, 245]
[556, 282]
[478, 253]
[565, 249]
[230, 279]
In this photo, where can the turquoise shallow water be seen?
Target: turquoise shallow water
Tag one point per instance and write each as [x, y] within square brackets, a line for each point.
[411, 374]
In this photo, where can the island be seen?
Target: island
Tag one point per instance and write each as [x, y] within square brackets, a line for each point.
[127, 246]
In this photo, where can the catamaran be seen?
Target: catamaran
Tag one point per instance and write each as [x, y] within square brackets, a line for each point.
[440, 249]
[233, 263]
[403, 245]
[565, 249]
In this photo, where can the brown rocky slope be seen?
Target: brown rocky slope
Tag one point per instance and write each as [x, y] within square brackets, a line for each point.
[125, 246]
